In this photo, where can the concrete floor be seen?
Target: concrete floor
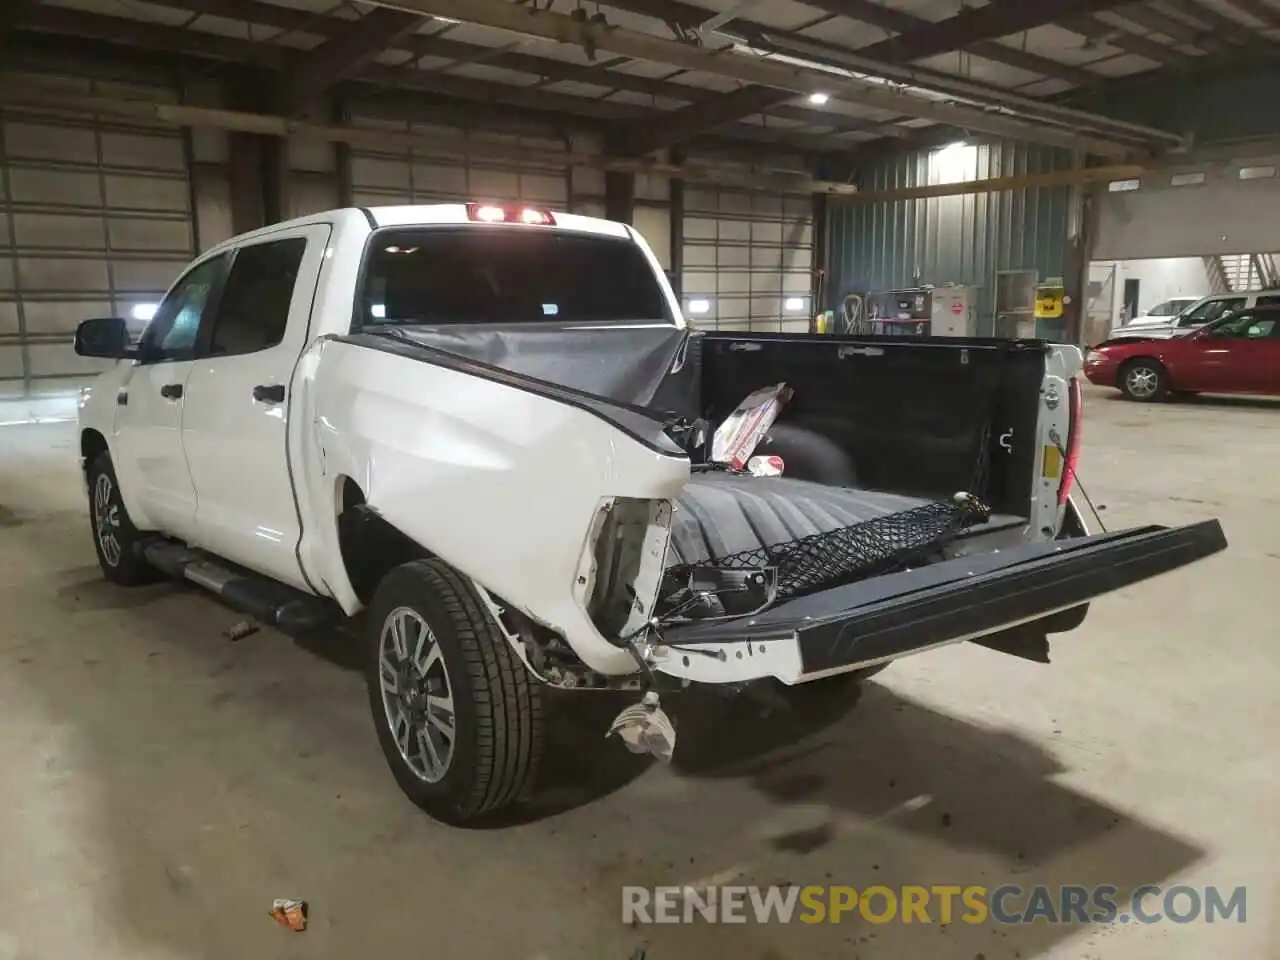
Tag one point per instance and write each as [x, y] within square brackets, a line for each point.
[161, 785]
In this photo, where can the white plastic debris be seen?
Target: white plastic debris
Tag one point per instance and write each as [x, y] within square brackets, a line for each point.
[742, 430]
[770, 466]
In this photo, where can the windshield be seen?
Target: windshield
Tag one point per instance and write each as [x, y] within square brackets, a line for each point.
[441, 275]
[1210, 310]
[1170, 308]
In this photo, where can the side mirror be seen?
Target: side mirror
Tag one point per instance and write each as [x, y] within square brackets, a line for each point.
[103, 337]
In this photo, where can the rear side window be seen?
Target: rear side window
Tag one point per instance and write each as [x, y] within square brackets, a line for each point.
[507, 275]
[1248, 326]
[254, 307]
[1268, 301]
[1166, 309]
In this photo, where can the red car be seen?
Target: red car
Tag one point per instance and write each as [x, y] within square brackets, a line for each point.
[1239, 353]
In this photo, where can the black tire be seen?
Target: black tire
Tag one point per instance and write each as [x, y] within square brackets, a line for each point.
[1144, 380]
[116, 540]
[498, 736]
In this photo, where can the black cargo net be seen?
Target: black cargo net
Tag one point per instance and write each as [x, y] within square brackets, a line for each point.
[820, 561]
[823, 560]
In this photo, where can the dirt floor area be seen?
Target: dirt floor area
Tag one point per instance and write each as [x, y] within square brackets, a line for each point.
[162, 784]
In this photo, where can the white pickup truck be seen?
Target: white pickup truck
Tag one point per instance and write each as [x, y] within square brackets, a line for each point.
[482, 430]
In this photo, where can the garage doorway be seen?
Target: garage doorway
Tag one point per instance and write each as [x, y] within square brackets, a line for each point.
[1157, 289]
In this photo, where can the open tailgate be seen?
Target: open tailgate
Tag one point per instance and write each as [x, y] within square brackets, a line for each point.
[889, 616]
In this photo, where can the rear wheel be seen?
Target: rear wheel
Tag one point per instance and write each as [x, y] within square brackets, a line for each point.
[115, 539]
[458, 716]
[1144, 380]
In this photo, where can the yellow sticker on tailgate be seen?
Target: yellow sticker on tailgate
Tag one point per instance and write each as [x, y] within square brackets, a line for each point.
[1052, 462]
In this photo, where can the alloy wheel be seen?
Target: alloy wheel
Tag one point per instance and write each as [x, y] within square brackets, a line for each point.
[1142, 382]
[106, 519]
[416, 694]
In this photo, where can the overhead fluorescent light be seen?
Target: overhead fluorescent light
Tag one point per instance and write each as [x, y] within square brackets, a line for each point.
[818, 98]
[699, 306]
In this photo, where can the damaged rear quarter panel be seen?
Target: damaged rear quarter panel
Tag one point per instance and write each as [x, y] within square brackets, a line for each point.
[502, 483]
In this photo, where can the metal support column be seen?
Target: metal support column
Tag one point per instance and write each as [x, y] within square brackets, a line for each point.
[1076, 259]
[677, 228]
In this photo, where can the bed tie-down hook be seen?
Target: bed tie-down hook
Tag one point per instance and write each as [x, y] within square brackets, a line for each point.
[845, 352]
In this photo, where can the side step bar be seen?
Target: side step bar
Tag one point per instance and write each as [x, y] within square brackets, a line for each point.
[267, 601]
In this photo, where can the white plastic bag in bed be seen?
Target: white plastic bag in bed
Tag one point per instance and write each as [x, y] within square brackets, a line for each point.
[742, 430]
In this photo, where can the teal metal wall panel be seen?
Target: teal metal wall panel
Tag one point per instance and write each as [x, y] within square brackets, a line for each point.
[959, 239]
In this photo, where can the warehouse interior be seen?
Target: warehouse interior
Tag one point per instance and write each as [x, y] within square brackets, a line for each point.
[978, 168]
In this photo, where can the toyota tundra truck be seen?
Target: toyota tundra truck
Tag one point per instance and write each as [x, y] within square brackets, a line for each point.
[481, 435]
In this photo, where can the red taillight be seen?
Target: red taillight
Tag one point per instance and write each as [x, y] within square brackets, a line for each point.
[1075, 403]
[486, 212]
[493, 213]
[540, 217]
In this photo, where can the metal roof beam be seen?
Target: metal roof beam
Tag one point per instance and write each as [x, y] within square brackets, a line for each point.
[1102, 32]
[293, 21]
[551, 108]
[1152, 20]
[687, 122]
[1260, 10]
[351, 49]
[1220, 24]
[593, 37]
[942, 82]
[65, 21]
[900, 21]
[976, 24]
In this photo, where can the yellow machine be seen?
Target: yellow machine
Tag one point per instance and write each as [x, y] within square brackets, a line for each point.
[1051, 298]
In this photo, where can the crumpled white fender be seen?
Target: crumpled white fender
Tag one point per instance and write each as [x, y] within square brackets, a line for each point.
[501, 483]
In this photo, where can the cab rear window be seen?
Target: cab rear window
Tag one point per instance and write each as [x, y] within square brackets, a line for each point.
[502, 275]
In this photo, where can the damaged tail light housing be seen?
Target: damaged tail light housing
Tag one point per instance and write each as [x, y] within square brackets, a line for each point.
[1071, 457]
[498, 213]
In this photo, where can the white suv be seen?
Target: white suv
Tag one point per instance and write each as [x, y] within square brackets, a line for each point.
[1202, 311]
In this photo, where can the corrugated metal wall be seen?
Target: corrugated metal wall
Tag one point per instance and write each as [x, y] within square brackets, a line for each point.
[964, 239]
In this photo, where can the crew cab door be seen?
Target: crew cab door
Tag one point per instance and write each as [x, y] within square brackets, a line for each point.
[150, 465]
[1234, 356]
[234, 428]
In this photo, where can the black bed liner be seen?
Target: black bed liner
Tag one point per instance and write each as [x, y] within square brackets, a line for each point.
[888, 616]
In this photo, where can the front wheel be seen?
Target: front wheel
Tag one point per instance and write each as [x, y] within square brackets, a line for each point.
[1144, 381]
[115, 539]
[458, 716]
